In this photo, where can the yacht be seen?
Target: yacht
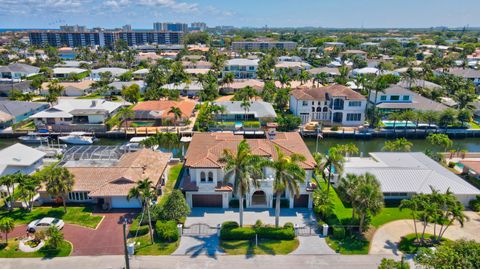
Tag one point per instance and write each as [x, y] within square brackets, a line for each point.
[134, 144]
[77, 138]
[33, 139]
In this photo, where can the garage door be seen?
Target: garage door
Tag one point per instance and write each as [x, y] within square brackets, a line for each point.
[122, 202]
[301, 201]
[207, 200]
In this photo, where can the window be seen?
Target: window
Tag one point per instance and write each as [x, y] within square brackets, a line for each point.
[202, 177]
[319, 103]
[313, 109]
[313, 103]
[304, 103]
[406, 98]
[355, 103]
[394, 97]
[354, 117]
[78, 196]
[383, 98]
[210, 176]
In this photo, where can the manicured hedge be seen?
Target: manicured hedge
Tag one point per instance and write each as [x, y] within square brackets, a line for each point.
[167, 230]
[276, 233]
[136, 229]
[231, 231]
[244, 233]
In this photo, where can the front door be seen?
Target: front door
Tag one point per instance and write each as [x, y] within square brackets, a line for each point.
[259, 199]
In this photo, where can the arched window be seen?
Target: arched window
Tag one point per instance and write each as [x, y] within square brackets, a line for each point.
[319, 109]
[325, 109]
[313, 109]
[202, 176]
[210, 176]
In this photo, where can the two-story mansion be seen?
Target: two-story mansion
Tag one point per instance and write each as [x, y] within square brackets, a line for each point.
[331, 105]
[204, 180]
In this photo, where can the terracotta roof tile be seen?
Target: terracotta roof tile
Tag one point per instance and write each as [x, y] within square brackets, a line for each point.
[185, 106]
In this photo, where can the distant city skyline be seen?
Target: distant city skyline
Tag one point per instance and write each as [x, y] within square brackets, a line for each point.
[141, 14]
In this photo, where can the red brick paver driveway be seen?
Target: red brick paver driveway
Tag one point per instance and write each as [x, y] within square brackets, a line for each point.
[107, 239]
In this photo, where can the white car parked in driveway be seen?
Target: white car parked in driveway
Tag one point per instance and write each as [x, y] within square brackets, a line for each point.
[44, 224]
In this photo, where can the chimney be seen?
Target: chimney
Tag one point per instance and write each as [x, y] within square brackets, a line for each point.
[94, 103]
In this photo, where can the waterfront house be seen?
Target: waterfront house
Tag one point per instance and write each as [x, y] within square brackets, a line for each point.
[204, 181]
[191, 89]
[239, 84]
[79, 88]
[241, 68]
[108, 184]
[66, 72]
[118, 86]
[254, 116]
[403, 174]
[330, 105]
[115, 72]
[19, 158]
[396, 99]
[17, 71]
[17, 111]
[157, 113]
[77, 115]
[466, 73]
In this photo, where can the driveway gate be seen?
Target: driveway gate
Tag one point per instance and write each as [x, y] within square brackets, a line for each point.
[199, 229]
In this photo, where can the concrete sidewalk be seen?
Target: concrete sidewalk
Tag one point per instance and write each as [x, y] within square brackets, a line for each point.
[202, 261]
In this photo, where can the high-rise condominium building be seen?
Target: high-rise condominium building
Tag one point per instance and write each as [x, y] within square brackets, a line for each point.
[170, 26]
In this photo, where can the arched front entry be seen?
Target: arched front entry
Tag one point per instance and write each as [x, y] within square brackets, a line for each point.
[259, 199]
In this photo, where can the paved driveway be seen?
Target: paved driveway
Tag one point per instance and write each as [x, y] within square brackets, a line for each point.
[387, 237]
[199, 245]
[215, 216]
[107, 239]
[312, 245]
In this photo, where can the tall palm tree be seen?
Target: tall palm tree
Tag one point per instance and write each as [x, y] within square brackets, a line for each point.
[145, 192]
[288, 176]
[246, 106]
[177, 114]
[397, 145]
[27, 189]
[407, 115]
[6, 226]
[369, 198]
[9, 182]
[244, 168]
[284, 78]
[321, 79]
[304, 76]
[334, 163]
[228, 78]
[348, 186]
[125, 113]
[394, 116]
[59, 182]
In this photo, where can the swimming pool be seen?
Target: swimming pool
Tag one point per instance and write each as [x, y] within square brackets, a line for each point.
[397, 124]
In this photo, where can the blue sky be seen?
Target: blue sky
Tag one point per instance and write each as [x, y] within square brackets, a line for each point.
[274, 13]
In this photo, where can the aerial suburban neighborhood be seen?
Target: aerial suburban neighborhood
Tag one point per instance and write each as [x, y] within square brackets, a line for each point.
[277, 135]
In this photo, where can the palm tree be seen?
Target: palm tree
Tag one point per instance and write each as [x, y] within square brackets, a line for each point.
[145, 192]
[243, 167]
[177, 114]
[430, 117]
[409, 76]
[284, 78]
[9, 182]
[397, 145]
[320, 166]
[369, 198]
[288, 176]
[414, 204]
[228, 78]
[246, 106]
[304, 76]
[348, 186]
[407, 116]
[394, 116]
[124, 114]
[343, 76]
[6, 226]
[27, 189]
[321, 79]
[59, 182]
[333, 164]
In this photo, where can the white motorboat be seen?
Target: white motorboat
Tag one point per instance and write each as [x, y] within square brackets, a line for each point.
[33, 139]
[77, 138]
[134, 144]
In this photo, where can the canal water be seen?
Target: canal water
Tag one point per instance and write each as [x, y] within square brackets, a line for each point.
[364, 145]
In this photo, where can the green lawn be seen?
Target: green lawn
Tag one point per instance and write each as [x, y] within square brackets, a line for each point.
[349, 245]
[75, 215]
[407, 243]
[390, 213]
[265, 247]
[173, 174]
[157, 248]
[474, 125]
[11, 251]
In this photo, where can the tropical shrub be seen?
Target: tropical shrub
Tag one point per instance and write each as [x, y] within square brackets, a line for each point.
[167, 230]
[475, 204]
[276, 233]
[338, 232]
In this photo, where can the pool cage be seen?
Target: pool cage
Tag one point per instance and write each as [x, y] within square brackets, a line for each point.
[77, 153]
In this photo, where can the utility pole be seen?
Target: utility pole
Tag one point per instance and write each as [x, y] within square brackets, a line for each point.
[127, 262]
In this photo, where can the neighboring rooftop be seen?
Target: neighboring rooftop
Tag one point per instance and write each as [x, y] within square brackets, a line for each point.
[259, 109]
[19, 155]
[160, 108]
[19, 108]
[409, 172]
[324, 93]
[20, 68]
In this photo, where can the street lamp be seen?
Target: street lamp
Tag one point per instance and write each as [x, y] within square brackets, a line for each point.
[127, 262]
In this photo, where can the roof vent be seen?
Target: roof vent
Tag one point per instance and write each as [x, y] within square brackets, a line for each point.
[94, 103]
[17, 159]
